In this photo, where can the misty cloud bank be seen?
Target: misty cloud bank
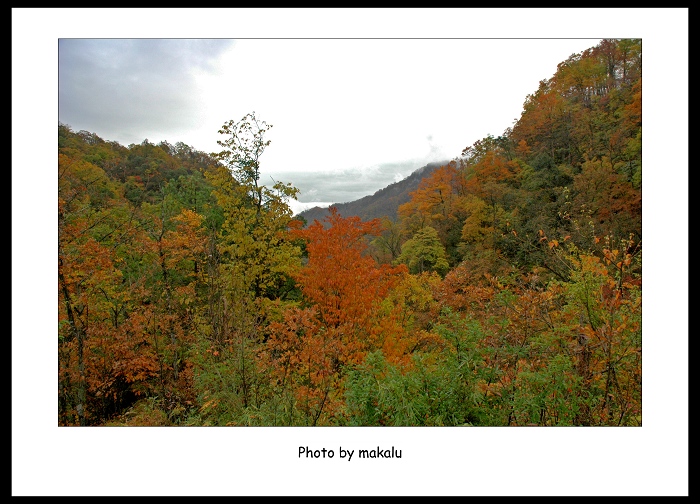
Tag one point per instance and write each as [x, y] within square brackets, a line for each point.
[323, 189]
[346, 185]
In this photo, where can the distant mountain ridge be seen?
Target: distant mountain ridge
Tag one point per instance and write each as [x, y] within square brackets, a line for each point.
[383, 203]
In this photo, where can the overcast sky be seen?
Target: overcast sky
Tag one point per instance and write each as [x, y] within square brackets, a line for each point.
[349, 116]
[344, 112]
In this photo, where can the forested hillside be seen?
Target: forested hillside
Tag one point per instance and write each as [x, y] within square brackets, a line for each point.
[506, 291]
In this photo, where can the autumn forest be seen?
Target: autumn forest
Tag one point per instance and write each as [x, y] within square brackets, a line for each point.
[505, 292]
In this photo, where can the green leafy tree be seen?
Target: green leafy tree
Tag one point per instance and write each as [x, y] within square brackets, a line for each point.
[249, 271]
[253, 241]
[424, 252]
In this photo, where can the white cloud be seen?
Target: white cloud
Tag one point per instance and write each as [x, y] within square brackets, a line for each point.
[334, 104]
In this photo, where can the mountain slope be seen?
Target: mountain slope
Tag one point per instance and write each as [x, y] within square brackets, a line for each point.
[383, 203]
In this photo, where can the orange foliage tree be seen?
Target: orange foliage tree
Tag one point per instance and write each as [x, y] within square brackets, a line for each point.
[432, 202]
[343, 287]
[104, 361]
